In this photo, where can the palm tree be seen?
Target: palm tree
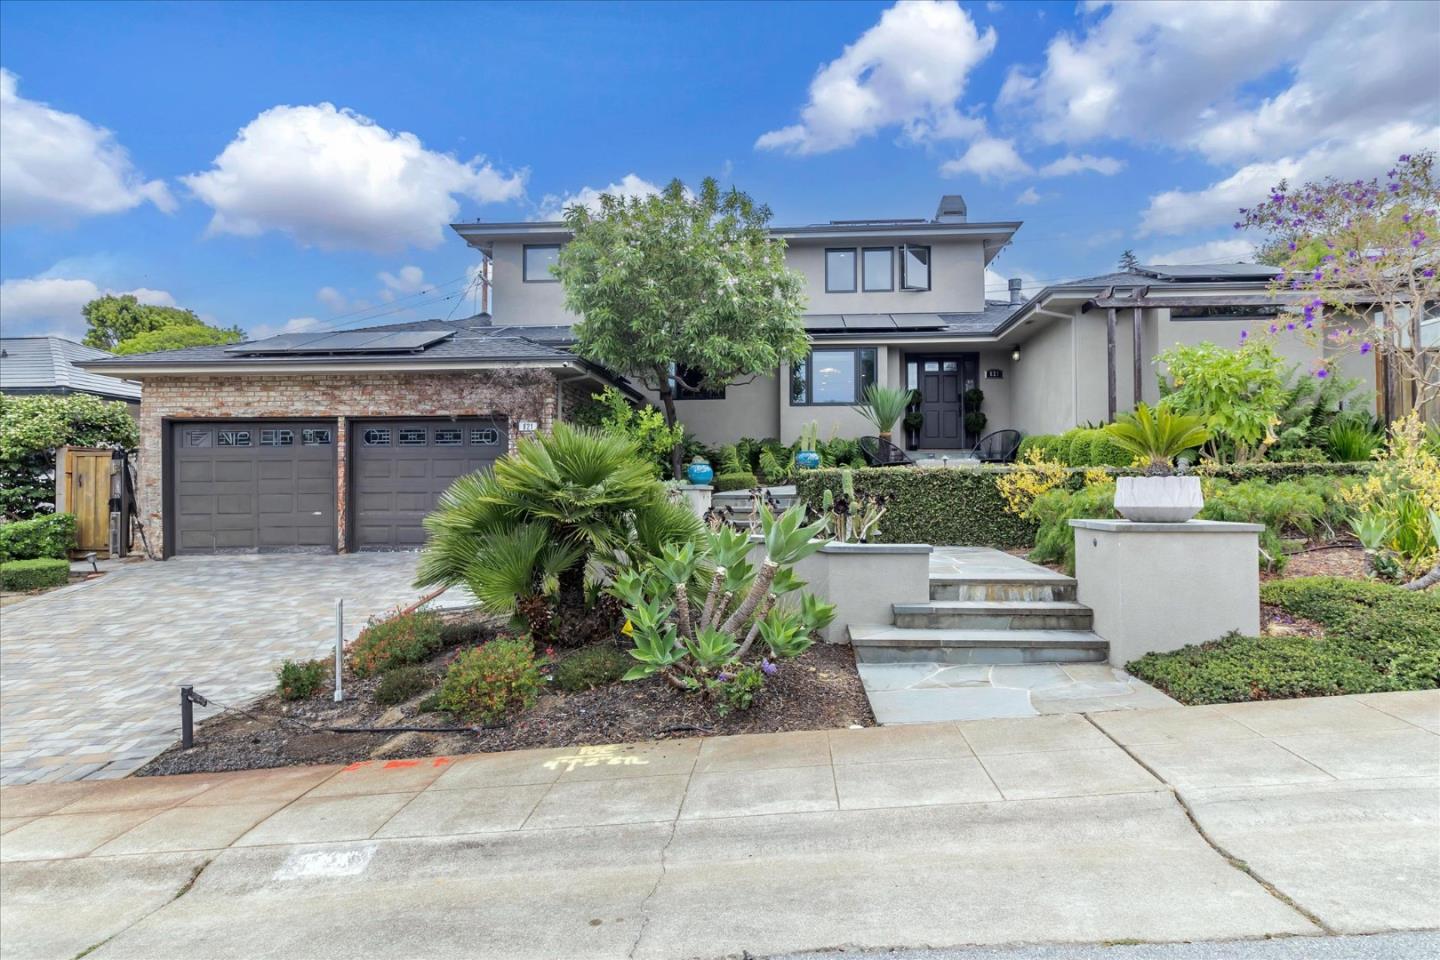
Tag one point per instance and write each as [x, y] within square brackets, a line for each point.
[543, 520]
[883, 406]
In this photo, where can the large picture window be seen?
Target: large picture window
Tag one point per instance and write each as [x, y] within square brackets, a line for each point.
[832, 377]
[840, 271]
[539, 259]
[914, 268]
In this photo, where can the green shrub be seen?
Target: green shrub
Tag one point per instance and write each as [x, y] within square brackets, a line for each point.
[402, 683]
[1105, 452]
[1038, 440]
[1275, 471]
[1377, 637]
[32, 427]
[591, 667]
[430, 704]
[937, 506]
[49, 535]
[468, 632]
[1053, 509]
[726, 482]
[402, 639]
[299, 680]
[1077, 450]
[35, 574]
[492, 682]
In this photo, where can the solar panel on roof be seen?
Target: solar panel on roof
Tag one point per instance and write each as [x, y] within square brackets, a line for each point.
[918, 321]
[824, 321]
[275, 344]
[348, 341]
[869, 321]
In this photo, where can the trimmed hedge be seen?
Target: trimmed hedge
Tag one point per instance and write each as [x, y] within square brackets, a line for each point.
[936, 506]
[36, 574]
[1377, 637]
[726, 482]
[1284, 471]
[50, 536]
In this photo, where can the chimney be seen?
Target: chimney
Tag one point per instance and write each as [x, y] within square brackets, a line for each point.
[951, 210]
[1015, 295]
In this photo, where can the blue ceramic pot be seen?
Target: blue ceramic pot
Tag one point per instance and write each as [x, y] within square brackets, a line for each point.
[807, 459]
[700, 474]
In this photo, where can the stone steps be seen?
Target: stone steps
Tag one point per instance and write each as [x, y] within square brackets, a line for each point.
[882, 643]
[995, 615]
[997, 588]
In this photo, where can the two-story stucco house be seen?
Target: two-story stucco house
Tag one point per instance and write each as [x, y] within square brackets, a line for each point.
[343, 441]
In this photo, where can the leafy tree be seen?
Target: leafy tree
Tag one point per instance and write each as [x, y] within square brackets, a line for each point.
[1238, 394]
[176, 337]
[643, 426]
[1129, 262]
[681, 279]
[33, 427]
[1366, 253]
[113, 321]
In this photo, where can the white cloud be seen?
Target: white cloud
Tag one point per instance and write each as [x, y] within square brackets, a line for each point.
[56, 166]
[293, 325]
[553, 206]
[989, 158]
[1082, 163]
[332, 298]
[1028, 197]
[51, 305]
[411, 279]
[1176, 211]
[337, 180]
[908, 71]
[1234, 250]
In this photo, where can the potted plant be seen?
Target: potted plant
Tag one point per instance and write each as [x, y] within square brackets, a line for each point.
[914, 422]
[883, 406]
[700, 473]
[1156, 437]
[808, 456]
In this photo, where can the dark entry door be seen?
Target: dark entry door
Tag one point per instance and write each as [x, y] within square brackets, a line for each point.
[402, 467]
[253, 486]
[940, 382]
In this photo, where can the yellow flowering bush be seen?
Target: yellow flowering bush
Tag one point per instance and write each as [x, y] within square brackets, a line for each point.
[1030, 478]
[1391, 506]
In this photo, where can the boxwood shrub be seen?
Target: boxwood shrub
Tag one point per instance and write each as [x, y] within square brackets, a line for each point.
[49, 535]
[34, 574]
[725, 482]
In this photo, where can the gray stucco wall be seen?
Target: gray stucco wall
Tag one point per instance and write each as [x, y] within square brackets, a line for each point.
[1042, 388]
[513, 301]
[957, 280]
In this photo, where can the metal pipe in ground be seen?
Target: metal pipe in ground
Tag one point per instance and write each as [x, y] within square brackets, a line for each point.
[339, 647]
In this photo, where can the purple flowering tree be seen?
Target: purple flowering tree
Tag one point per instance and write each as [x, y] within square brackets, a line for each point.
[1360, 258]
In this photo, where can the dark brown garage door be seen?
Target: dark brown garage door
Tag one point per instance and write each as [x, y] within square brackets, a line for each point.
[402, 467]
[253, 486]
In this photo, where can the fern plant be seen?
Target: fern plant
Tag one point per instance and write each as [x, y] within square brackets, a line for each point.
[1157, 436]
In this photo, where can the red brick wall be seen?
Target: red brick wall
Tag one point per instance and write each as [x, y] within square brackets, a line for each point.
[514, 394]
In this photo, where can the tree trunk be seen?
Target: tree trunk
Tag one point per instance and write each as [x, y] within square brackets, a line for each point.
[1425, 582]
[677, 452]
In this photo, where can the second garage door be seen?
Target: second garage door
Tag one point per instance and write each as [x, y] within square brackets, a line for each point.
[402, 467]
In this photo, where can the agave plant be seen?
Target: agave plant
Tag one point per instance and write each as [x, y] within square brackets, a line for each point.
[694, 643]
[545, 520]
[1157, 436]
[883, 406]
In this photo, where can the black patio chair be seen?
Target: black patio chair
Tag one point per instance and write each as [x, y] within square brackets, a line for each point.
[998, 447]
[880, 452]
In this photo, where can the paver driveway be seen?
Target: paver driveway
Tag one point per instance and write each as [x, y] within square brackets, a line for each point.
[89, 675]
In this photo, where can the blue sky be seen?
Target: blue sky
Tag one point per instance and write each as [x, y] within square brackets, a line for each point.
[293, 166]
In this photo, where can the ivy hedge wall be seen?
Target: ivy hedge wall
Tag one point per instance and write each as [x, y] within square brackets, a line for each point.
[962, 507]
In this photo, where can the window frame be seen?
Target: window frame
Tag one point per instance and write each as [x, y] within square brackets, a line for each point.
[858, 385]
[854, 268]
[929, 267]
[525, 262]
[889, 273]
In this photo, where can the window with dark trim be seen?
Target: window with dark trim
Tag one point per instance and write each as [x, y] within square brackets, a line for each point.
[914, 267]
[233, 438]
[449, 437]
[315, 438]
[688, 385]
[538, 259]
[878, 268]
[840, 270]
[832, 377]
[1227, 312]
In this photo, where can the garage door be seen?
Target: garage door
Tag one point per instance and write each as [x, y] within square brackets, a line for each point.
[253, 486]
[402, 467]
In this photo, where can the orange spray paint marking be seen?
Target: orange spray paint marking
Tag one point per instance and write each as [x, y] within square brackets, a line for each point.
[396, 764]
[356, 766]
[441, 761]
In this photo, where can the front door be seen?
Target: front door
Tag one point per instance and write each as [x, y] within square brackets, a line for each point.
[940, 404]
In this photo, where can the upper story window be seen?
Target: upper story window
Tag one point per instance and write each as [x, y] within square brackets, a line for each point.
[840, 271]
[914, 268]
[688, 385]
[832, 377]
[879, 269]
[539, 258]
[1226, 312]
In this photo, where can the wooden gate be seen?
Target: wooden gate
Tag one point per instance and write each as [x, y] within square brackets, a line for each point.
[82, 487]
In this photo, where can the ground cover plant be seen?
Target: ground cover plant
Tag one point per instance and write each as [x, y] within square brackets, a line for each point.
[1373, 637]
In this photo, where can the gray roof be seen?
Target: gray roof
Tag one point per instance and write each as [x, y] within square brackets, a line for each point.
[47, 365]
[473, 338]
[910, 326]
[1179, 273]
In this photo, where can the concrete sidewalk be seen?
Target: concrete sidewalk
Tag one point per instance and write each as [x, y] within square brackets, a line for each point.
[1309, 818]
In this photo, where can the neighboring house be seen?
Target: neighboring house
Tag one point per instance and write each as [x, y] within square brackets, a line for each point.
[326, 441]
[48, 365]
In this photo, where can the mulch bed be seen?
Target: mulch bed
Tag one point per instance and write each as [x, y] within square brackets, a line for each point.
[818, 690]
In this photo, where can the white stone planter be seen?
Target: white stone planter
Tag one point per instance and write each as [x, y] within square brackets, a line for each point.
[1158, 499]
